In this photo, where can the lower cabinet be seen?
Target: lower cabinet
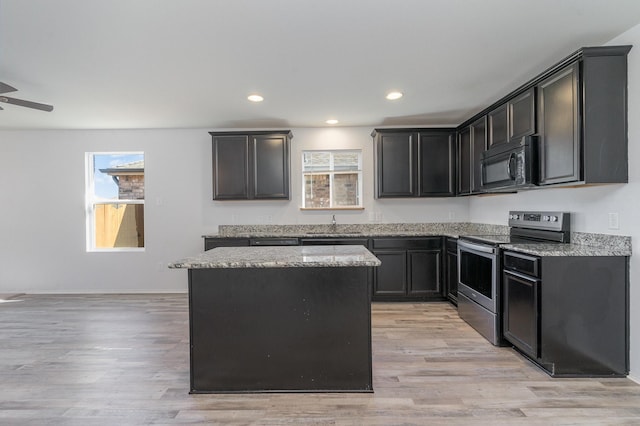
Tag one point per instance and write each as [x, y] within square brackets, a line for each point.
[410, 270]
[451, 270]
[568, 314]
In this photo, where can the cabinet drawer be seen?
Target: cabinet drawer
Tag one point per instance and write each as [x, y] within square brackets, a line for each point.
[528, 265]
[407, 243]
[274, 242]
[452, 244]
[334, 242]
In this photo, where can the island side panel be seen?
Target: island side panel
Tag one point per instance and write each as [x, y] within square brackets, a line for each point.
[280, 329]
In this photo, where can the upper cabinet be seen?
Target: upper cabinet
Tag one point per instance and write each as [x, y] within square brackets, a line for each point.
[513, 119]
[582, 119]
[472, 142]
[498, 126]
[521, 115]
[414, 162]
[559, 132]
[437, 163]
[578, 108]
[251, 165]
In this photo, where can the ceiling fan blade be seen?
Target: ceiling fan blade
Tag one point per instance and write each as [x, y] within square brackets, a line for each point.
[5, 88]
[28, 104]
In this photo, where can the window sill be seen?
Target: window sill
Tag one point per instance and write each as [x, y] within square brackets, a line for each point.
[331, 208]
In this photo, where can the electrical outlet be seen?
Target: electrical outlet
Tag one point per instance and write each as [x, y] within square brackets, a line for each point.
[614, 221]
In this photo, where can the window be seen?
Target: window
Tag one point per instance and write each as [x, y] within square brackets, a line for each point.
[332, 179]
[115, 201]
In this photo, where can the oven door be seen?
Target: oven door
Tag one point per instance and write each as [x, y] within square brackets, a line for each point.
[478, 273]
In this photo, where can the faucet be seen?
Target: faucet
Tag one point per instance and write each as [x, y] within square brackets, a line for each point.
[333, 220]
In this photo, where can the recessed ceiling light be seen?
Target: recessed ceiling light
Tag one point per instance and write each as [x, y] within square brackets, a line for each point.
[332, 121]
[392, 96]
[255, 98]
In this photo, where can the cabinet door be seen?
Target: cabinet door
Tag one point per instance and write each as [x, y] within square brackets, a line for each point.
[397, 164]
[558, 127]
[479, 145]
[521, 319]
[437, 164]
[498, 126]
[464, 161]
[425, 277]
[230, 167]
[390, 278]
[270, 171]
[452, 275]
[522, 115]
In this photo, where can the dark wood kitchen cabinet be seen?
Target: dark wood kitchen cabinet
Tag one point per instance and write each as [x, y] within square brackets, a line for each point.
[498, 125]
[451, 269]
[472, 142]
[410, 270]
[465, 151]
[414, 163]
[582, 119]
[251, 165]
[512, 120]
[569, 314]
[521, 115]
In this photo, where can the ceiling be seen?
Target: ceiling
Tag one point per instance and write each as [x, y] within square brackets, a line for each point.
[122, 64]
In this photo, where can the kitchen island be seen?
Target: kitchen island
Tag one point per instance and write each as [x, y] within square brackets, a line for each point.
[280, 319]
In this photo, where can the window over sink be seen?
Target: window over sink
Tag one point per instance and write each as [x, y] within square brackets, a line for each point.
[114, 194]
[332, 179]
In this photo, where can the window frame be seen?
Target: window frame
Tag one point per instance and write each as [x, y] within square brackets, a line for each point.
[332, 172]
[91, 200]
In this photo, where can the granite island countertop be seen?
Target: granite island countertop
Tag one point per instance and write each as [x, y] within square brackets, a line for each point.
[280, 257]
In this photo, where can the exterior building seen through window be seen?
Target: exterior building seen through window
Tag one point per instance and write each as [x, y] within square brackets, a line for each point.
[115, 201]
[332, 179]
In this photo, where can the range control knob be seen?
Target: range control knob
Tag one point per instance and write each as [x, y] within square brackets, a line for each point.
[554, 218]
[545, 218]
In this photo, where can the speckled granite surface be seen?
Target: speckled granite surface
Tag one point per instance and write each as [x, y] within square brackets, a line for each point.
[280, 257]
[582, 244]
[448, 229]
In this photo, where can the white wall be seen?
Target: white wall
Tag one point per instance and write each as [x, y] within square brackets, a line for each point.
[42, 247]
[590, 206]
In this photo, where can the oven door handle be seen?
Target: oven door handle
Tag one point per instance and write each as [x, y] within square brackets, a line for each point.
[476, 247]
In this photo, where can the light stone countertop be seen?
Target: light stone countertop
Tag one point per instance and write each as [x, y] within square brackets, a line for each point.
[552, 250]
[369, 230]
[280, 257]
[582, 244]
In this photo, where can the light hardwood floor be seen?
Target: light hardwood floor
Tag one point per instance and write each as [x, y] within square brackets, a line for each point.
[124, 359]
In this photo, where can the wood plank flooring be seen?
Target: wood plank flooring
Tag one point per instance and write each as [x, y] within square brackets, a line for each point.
[124, 360]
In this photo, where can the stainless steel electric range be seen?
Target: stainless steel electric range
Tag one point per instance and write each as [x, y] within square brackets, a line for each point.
[480, 269]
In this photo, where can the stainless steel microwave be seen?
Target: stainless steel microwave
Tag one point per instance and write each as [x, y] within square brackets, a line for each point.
[509, 166]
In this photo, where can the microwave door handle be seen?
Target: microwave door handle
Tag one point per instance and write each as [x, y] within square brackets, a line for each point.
[510, 171]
